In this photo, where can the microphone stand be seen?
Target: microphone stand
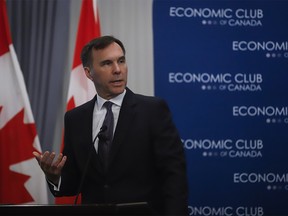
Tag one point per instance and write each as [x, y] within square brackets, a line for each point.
[100, 134]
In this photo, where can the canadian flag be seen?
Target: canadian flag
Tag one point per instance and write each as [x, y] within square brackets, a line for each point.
[22, 180]
[82, 89]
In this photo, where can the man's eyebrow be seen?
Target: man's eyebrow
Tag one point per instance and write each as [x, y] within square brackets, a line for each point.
[106, 60]
[110, 60]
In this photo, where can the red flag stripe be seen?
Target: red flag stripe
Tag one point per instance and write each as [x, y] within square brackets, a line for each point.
[5, 36]
[88, 28]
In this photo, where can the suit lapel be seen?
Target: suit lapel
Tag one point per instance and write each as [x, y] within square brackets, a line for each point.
[88, 119]
[126, 116]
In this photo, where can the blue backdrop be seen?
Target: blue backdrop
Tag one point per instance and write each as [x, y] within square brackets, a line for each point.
[223, 68]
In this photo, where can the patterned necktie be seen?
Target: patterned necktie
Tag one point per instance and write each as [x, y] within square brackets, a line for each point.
[106, 137]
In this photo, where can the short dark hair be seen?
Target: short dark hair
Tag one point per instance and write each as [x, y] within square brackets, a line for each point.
[98, 44]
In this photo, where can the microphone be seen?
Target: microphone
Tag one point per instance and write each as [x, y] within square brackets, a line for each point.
[100, 135]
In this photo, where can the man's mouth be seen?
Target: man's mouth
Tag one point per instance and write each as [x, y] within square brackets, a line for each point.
[116, 82]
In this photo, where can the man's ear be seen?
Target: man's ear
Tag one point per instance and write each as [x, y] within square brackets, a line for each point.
[88, 73]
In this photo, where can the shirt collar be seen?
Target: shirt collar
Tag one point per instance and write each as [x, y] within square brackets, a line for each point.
[116, 100]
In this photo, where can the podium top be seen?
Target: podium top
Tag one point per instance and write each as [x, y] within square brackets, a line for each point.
[141, 208]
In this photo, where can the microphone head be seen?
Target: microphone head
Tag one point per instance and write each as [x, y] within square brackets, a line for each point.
[103, 128]
[102, 135]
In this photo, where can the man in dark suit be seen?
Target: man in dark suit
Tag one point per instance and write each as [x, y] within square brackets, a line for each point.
[146, 160]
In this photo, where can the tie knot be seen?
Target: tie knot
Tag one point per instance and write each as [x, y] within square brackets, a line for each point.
[108, 105]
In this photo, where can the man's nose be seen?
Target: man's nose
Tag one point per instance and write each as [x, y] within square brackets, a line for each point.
[116, 68]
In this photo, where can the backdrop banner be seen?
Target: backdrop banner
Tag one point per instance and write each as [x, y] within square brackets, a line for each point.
[222, 66]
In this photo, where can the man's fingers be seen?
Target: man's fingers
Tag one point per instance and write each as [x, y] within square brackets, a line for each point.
[45, 156]
[37, 156]
[62, 162]
[59, 163]
[47, 163]
[50, 158]
[58, 160]
[44, 162]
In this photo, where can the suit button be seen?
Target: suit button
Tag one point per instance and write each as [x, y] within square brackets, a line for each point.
[106, 186]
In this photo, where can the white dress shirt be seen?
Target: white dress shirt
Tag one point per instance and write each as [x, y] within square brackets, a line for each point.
[99, 113]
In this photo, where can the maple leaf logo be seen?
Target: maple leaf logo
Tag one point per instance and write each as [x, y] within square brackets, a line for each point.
[16, 146]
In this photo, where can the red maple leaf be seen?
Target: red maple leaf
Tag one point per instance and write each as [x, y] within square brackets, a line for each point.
[16, 145]
[71, 103]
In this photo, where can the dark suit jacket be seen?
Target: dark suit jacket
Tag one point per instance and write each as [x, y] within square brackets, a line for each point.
[147, 161]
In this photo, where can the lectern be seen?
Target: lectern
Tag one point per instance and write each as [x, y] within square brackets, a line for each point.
[83, 210]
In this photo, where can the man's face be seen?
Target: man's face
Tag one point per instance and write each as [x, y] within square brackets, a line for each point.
[109, 72]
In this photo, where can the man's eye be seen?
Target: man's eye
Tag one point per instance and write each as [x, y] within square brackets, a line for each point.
[122, 61]
[106, 63]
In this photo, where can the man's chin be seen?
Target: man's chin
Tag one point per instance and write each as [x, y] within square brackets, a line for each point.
[118, 90]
